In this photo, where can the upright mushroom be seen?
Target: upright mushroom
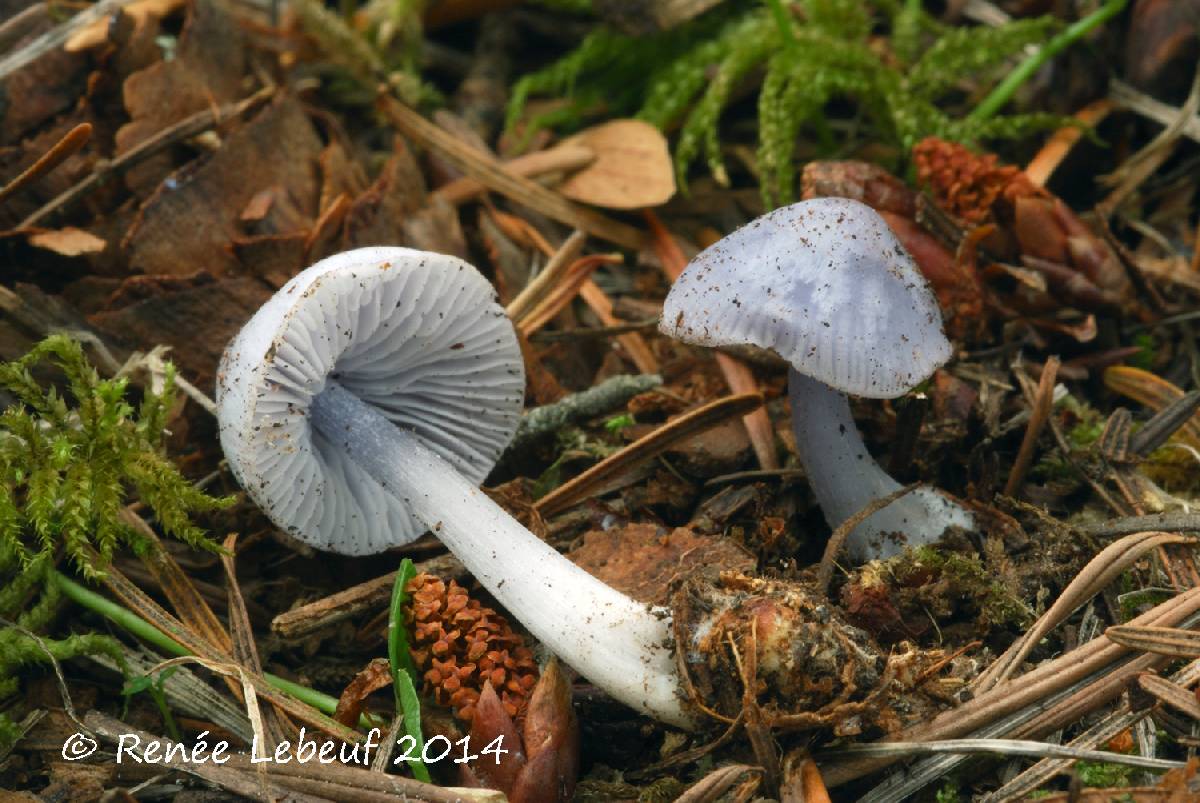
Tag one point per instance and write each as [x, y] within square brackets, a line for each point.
[365, 401]
[826, 285]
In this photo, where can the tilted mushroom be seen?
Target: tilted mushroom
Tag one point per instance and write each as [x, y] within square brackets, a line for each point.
[365, 401]
[826, 285]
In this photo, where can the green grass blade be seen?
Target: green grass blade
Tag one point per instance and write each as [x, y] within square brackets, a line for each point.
[408, 705]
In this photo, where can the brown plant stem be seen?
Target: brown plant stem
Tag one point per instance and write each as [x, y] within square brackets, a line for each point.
[591, 481]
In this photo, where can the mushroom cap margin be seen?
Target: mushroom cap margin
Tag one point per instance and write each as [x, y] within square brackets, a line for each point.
[418, 335]
[826, 285]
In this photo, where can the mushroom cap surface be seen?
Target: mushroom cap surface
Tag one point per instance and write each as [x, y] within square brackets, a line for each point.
[420, 336]
[826, 285]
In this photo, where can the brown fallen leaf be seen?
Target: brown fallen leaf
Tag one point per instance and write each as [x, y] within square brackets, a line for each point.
[68, 242]
[632, 168]
[370, 679]
[46, 87]
[190, 221]
[377, 215]
[207, 70]
[196, 321]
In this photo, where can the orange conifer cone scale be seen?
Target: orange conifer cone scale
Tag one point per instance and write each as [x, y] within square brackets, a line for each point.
[459, 645]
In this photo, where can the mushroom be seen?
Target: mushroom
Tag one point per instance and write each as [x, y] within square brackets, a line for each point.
[826, 285]
[365, 401]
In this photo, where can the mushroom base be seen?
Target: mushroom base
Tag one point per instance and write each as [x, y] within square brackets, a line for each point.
[783, 648]
[845, 478]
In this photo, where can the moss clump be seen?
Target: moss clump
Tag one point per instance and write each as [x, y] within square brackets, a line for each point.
[823, 52]
[951, 577]
[66, 471]
[1102, 775]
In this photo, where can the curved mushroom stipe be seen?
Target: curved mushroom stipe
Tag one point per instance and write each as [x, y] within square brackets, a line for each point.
[365, 401]
[826, 285]
[845, 478]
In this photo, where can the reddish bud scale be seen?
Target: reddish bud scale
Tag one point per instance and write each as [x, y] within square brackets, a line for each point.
[458, 644]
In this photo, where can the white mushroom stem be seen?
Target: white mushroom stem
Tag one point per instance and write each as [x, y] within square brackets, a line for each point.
[845, 478]
[622, 646]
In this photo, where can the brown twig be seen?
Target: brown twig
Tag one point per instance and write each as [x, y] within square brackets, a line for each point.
[596, 299]
[594, 332]
[600, 304]
[643, 449]
[1052, 154]
[187, 127]
[560, 261]
[563, 158]
[66, 147]
[1041, 405]
[485, 169]
[577, 275]
[843, 530]
[357, 599]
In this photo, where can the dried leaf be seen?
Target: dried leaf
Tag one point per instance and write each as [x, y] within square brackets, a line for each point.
[632, 168]
[68, 242]
[207, 69]
[196, 322]
[373, 677]
[192, 219]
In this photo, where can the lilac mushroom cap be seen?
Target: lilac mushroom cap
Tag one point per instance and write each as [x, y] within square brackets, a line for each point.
[418, 336]
[826, 285]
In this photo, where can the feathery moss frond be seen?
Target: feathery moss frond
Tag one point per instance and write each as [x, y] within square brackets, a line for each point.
[972, 51]
[700, 128]
[65, 473]
[819, 54]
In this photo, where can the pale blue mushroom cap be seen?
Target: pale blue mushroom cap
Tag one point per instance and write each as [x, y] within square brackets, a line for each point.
[826, 285]
[419, 336]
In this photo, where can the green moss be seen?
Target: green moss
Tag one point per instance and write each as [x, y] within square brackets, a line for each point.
[688, 75]
[949, 792]
[66, 471]
[1085, 424]
[1103, 775]
[967, 578]
[1144, 359]
[619, 422]
[68, 464]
